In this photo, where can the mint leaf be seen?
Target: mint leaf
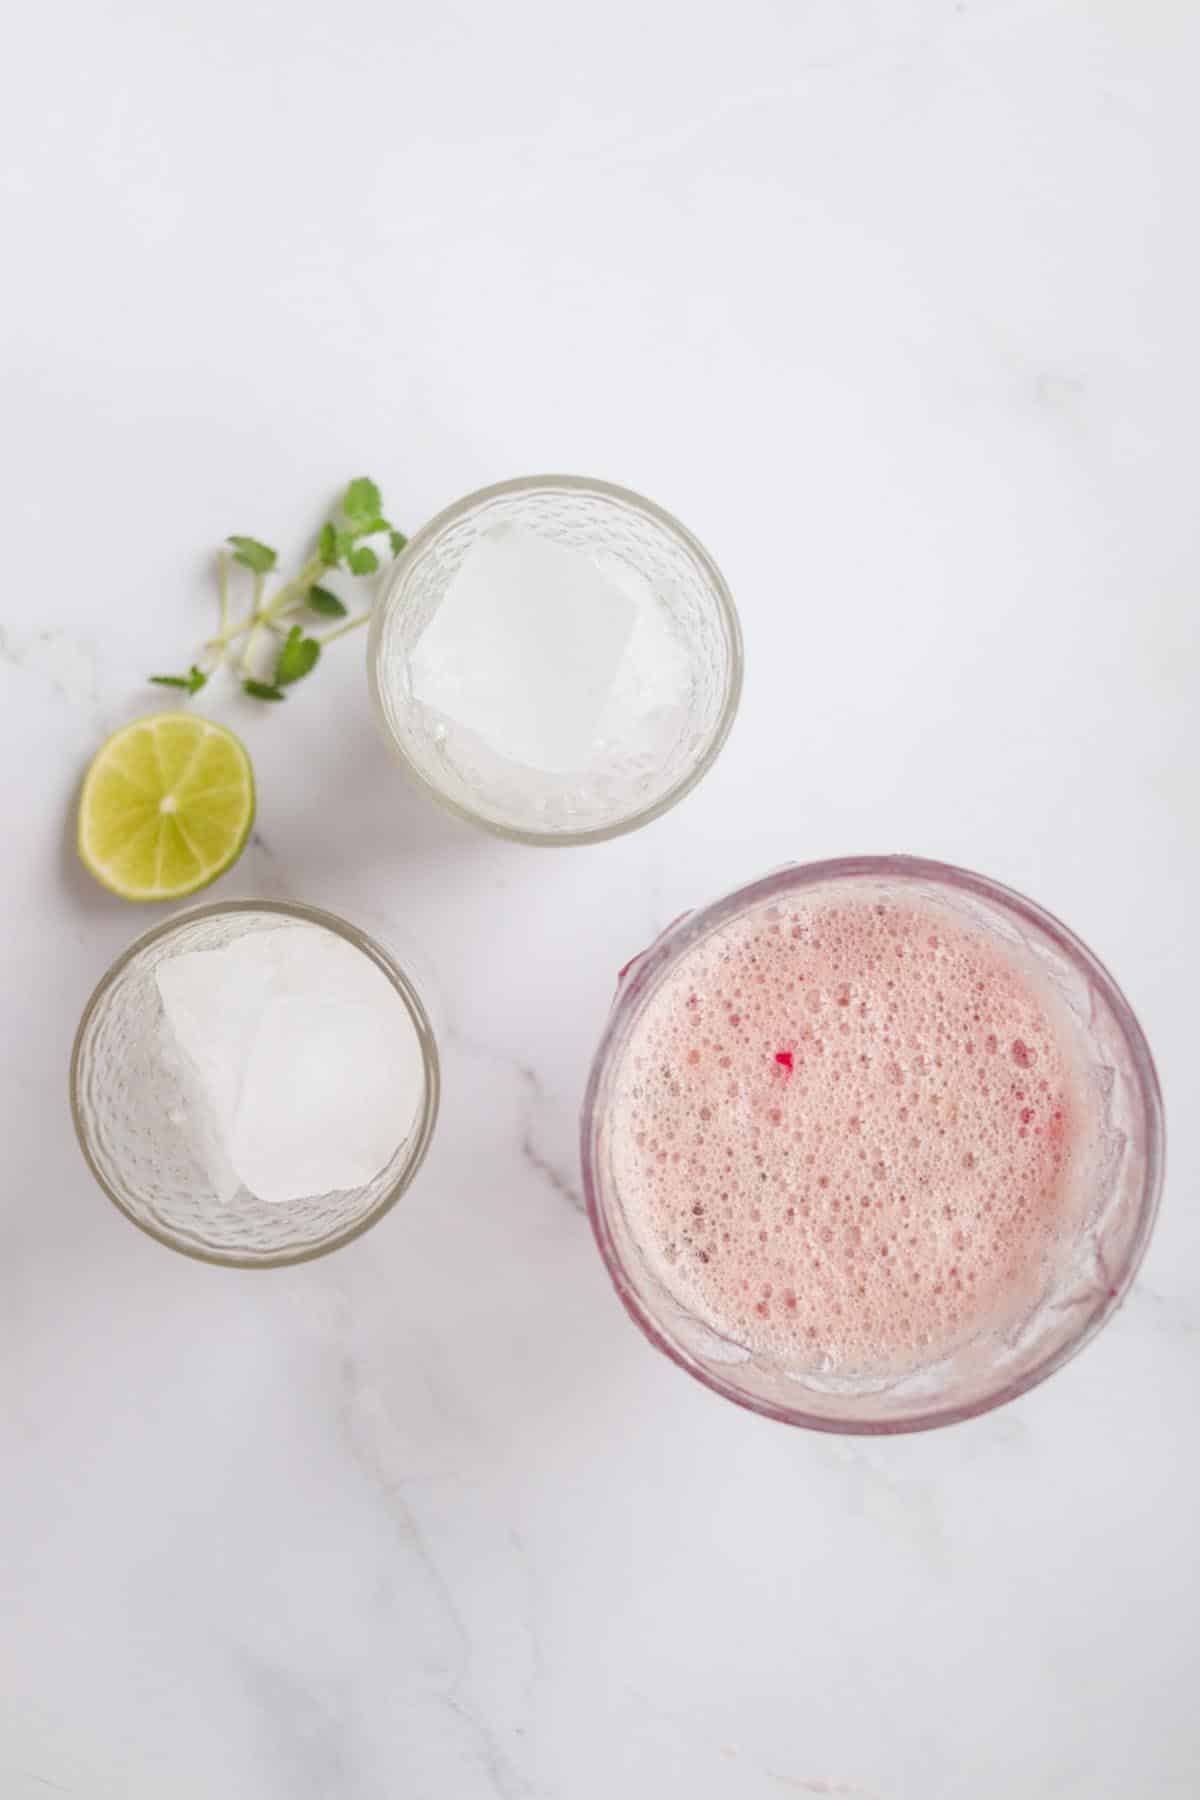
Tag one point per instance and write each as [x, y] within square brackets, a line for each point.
[253, 555]
[191, 683]
[298, 655]
[398, 541]
[327, 545]
[362, 502]
[325, 603]
[262, 690]
[362, 561]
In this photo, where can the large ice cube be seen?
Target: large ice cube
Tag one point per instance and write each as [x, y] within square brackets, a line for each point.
[334, 1078]
[213, 1001]
[307, 1060]
[525, 647]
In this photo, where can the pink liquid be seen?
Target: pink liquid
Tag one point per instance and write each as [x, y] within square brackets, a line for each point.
[849, 1134]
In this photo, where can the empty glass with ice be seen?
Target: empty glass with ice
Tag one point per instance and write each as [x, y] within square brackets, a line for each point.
[254, 1083]
[556, 659]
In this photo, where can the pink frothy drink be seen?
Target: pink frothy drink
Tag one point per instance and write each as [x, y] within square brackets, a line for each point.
[872, 1144]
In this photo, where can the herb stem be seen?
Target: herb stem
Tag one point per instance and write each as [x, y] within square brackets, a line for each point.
[258, 618]
[225, 638]
[223, 590]
[290, 595]
[294, 590]
[327, 637]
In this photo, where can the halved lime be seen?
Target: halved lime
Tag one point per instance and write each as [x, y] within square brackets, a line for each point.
[166, 807]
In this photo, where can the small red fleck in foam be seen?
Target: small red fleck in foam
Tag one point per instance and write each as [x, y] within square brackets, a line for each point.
[784, 1059]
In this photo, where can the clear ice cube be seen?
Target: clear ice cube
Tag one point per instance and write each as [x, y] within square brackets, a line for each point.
[307, 1061]
[212, 1001]
[525, 649]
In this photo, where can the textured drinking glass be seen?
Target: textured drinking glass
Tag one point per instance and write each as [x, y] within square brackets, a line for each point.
[124, 1093]
[625, 537]
[1101, 1256]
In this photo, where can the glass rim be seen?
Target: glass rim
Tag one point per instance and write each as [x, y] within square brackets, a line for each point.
[642, 978]
[727, 611]
[404, 988]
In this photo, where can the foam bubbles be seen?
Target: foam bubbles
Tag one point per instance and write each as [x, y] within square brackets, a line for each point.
[845, 1133]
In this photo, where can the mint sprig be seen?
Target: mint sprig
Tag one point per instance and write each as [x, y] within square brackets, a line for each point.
[340, 545]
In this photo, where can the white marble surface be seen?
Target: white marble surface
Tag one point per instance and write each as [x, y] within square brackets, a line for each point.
[896, 304]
